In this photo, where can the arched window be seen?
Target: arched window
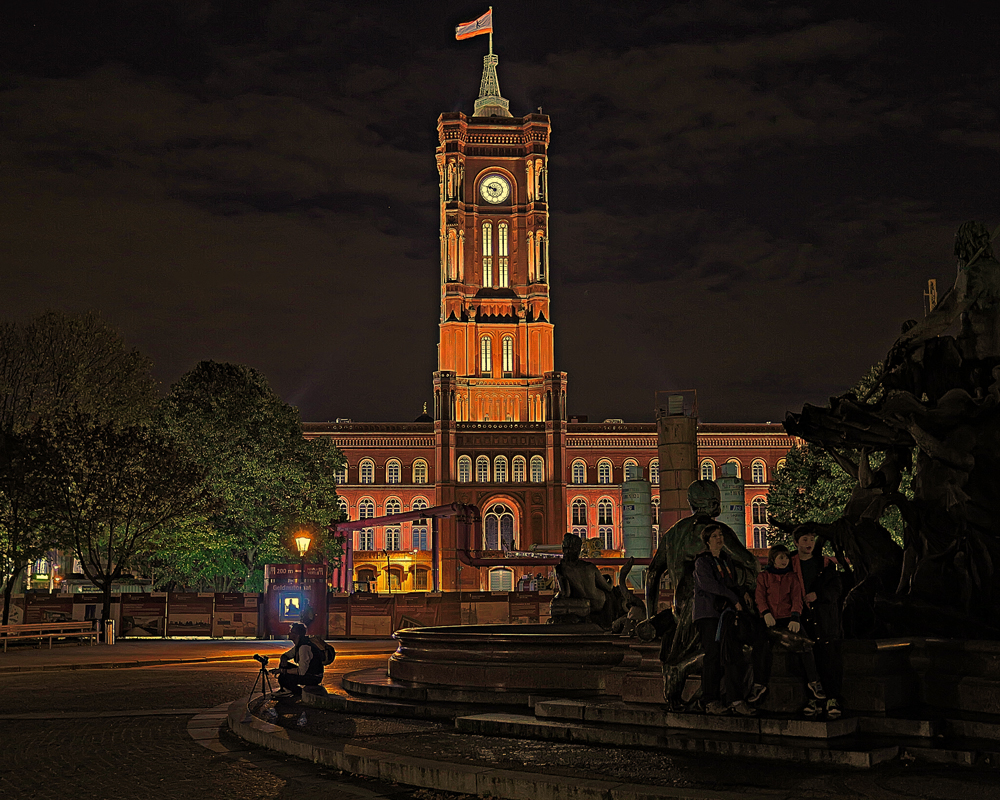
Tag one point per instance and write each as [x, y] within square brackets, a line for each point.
[579, 511]
[517, 469]
[367, 471]
[395, 578]
[780, 464]
[487, 254]
[464, 469]
[758, 472]
[418, 529]
[340, 474]
[630, 469]
[366, 577]
[392, 538]
[604, 472]
[543, 256]
[345, 512]
[760, 538]
[654, 471]
[392, 506]
[537, 469]
[605, 512]
[739, 467]
[366, 536]
[758, 507]
[421, 579]
[654, 510]
[500, 469]
[498, 528]
[708, 470]
[486, 355]
[606, 535]
[501, 579]
[420, 471]
[393, 471]
[483, 469]
[579, 471]
[503, 264]
[508, 356]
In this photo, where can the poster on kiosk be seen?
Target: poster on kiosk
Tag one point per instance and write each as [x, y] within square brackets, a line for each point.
[294, 593]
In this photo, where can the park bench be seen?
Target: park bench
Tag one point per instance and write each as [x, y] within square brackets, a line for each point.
[48, 630]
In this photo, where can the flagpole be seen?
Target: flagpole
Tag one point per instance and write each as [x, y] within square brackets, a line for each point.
[491, 29]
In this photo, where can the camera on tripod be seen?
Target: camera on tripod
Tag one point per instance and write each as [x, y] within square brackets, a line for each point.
[262, 660]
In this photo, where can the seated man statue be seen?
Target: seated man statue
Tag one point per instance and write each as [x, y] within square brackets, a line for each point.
[584, 595]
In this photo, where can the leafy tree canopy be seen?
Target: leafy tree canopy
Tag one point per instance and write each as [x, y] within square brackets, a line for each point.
[265, 478]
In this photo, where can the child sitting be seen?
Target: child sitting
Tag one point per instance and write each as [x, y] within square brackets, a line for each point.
[779, 599]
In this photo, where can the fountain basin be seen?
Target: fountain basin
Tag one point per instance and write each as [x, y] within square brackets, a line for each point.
[556, 659]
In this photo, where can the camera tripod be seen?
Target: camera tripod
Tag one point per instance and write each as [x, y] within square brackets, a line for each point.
[263, 680]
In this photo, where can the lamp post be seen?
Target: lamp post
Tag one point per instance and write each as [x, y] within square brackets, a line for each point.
[302, 542]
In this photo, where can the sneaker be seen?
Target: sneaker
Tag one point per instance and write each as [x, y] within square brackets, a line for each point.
[716, 709]
[833, 709]
[757, 692]
[741, 708]
[813, 709]
[816, 690]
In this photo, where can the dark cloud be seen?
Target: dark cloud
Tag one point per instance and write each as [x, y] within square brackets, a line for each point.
[747, 197]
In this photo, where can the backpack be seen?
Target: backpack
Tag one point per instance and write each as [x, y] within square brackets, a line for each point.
[324, 651]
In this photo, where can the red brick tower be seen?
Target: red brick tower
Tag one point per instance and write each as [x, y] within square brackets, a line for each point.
[495, 333]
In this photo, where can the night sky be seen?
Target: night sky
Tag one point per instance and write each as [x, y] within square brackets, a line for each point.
[747, 197]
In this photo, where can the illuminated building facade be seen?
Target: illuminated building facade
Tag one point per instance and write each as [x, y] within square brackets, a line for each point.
[499, 435]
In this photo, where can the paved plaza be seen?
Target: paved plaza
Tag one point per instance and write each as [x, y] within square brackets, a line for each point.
[147, 719]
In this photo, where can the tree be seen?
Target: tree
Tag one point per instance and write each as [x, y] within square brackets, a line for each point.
[265, 478]
[53, 365]
[111, 488]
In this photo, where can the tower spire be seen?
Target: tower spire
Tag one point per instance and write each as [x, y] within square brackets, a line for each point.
[490, 102]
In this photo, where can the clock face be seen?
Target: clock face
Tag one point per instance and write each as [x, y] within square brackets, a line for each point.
[494, 189]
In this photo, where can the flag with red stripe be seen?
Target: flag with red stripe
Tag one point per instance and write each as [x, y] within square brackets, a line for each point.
[482, 25]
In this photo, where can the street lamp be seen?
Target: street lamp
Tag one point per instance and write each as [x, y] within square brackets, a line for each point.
[302, 542]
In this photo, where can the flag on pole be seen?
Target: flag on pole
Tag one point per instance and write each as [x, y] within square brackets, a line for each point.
[482, 25]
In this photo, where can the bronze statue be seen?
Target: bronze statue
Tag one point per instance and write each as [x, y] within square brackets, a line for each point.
[584, 595]
[675, 555]
[939, 397]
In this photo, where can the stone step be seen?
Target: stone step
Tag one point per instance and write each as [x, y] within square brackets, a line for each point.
[721, 741]
[612, 712]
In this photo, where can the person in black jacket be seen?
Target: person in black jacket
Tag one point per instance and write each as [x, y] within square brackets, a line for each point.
[716, 593]
[302, 665]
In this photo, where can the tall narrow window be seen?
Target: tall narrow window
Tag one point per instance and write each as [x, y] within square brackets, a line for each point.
[500, 469]
[498, 528]
[517, 469]
[345, 512]
[604, 472]
[487, 254]
[392, 538]
[537, 469]
[418, 529]
[759, 507]
[654, 510]
[367, 471]
[508, 356]
[579, 511]
[420, 471]
[605, 512]
[708, 470]
[340, 475]
[543, 257]
[503, 260]
[483, 469]
[654, 471]
[393, 472]
[579, 472]
[631, 470]
[464, 469]
[486, 356]
[366, 536]
[759, 472]
[393, 506]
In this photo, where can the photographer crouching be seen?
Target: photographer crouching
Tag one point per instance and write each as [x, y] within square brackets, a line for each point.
[302, 665]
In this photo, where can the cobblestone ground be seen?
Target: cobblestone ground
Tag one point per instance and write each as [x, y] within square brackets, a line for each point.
[123, 735]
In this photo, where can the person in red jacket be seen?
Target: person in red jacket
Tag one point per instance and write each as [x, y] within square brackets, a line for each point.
[779, 600]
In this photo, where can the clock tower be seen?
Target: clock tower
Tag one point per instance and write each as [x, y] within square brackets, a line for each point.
[495, 328]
